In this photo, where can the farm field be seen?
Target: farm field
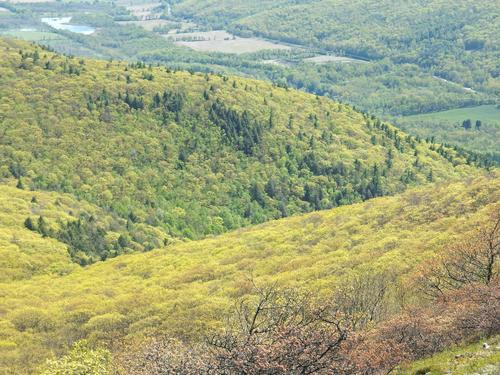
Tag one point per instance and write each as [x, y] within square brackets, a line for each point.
[446, 126]
[222, 41]
[144, 11]
[148, 25]
[486, 113]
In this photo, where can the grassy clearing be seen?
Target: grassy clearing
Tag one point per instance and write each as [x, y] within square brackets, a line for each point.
[325, 59]
[472, 359]
[222, 41]
[447, 127]
[144, 11]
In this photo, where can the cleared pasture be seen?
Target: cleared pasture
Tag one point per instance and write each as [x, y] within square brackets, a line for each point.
[145, 11]
[222, 41]
[325, 59]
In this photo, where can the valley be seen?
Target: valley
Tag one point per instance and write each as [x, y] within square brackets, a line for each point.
[297, 62]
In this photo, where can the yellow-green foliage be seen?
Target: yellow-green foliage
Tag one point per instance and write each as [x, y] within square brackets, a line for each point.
[465, 360]
[81, 360]
[24, 253]
[76, 126]
[185, 288]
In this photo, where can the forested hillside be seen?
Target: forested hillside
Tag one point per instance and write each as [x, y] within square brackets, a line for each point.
[196, 154]
[420, 56]
[391, 59]
[184, 290]
[161, 212]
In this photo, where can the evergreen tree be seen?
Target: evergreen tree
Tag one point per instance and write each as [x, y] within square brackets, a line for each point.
[20, 184]
[43, 227]
[29, 224]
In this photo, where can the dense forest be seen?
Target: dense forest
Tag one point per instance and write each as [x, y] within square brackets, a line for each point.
[197, 154]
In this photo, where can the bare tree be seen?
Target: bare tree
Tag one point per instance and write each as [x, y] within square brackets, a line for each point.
[362, 298]
[469, 262]
[280, 332]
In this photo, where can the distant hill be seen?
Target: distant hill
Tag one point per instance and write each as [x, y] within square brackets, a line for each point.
[196, 154]
[185, 289]
[455, 40]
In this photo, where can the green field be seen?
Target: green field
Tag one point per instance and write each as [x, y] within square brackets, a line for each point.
[34, 36]
[489, 114]
[446, 126]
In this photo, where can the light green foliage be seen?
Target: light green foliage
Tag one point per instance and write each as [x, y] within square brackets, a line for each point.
[25, 253]
[81, 360]
[471, 359]
[186, 288]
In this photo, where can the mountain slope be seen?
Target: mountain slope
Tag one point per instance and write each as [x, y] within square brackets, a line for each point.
[185, 288]
[196, 154]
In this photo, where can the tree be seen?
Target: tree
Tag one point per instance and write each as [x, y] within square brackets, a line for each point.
[123, 241]
[362, 298]
[81, 360]
[29, 224]
[281, 332]
[472, 261]
[43, 227]
[430, 176]
[20, 184]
